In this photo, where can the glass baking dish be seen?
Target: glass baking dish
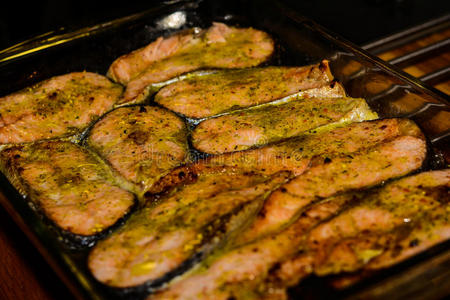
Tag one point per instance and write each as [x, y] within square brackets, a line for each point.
[300, 41]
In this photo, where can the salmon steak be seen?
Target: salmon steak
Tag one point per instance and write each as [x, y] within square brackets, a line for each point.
[69, 184]
[204, 96]
[142, 143]
[190, 219]
[365, 168]
[266, 124]
[397, 221]
[383, 227]
[298, 153]
[61, 106]
[241, 272]
[219, 46]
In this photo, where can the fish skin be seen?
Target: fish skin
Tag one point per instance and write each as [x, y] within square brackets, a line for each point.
[70, 185]
[60, 106]
[258, 126]
[205, 96]
[190, 219]
[142, 143]
[219, 46]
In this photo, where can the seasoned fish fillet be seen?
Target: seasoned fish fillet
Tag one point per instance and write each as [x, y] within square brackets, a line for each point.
[61, 106]
[258, 126]
[387, 226]
[142, 143]
[412, 210]
[216, 93]
[298, 153]
[357, 170]
[190, 219]
[239, 273]
[219, 46]
[68, 184]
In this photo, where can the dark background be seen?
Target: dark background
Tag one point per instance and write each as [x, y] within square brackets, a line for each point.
[360, 21]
